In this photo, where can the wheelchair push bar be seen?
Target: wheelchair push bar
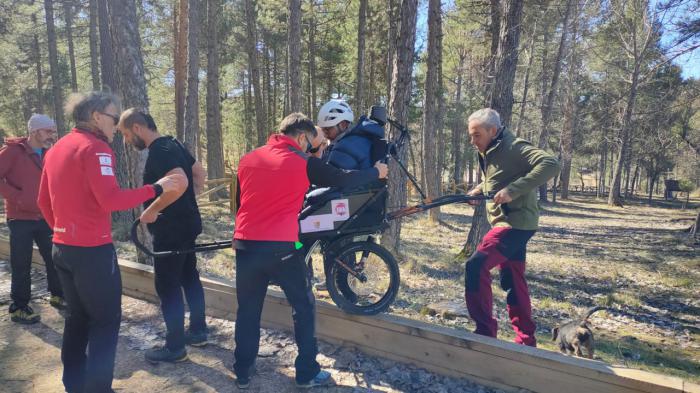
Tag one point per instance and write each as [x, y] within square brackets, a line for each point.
[439, 201]
[218, 245]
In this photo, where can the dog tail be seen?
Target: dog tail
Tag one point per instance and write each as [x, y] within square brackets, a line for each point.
[590, 312]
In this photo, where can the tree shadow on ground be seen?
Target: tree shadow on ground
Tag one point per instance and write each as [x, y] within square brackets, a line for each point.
[638, 353]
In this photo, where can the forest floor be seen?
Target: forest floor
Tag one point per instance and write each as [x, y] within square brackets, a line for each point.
[636, 260]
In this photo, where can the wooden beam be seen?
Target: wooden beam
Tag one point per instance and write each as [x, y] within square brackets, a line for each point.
[438, 349]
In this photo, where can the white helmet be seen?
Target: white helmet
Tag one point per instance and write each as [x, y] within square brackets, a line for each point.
[333, 112]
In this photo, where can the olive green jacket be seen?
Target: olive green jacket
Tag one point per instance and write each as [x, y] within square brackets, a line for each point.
[516, 164]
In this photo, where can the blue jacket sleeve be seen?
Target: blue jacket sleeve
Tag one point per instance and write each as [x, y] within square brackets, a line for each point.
[351, 152]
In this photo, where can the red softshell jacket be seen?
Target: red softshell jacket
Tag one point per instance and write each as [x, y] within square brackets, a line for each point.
[273, 182]
[20, 171]
[79, 190]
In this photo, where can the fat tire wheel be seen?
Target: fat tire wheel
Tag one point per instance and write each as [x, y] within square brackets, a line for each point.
[338, 272]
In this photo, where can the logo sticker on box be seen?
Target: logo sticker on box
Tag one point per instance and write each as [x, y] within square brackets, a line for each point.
[340, 209]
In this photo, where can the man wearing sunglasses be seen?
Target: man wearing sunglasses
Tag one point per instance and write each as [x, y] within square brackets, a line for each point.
[272, 182]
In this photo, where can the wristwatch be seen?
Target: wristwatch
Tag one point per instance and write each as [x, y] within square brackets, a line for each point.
[158, 189]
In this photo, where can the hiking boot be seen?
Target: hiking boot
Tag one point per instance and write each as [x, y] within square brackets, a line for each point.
[163, 354]
[323, 378]
[196, 339]
[58, 302]
[24, 315]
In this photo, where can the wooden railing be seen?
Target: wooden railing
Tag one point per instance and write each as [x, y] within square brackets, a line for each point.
[216, 185]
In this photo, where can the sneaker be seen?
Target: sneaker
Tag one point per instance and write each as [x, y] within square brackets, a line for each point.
[58, 302]
[323, 378]
[243, 383]
[163, 354]
[24, 315]
[321, 286]
[196, 339]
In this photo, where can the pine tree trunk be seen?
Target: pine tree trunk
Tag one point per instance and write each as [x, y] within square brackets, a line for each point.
[53, 64]
[506, 59]
[431, 169]
[37, 62]
[637, 44]
[398, 110]
[458, 124]
[615, 197]
[131, 86]
[359, 73]
[600, 187]
[526, 83]
[251, 49]
[250, 138]
[566, 142]
[275, 91]
[68, 17]
[548, 103]
[180, 64]
[215, 149]
[295, 91]
[94, 43]
[107, 73]
[313, 83]
[120, 219]
[191, 118]
[392, 31]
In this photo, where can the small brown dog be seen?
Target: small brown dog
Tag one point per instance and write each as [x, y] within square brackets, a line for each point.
[574, 335]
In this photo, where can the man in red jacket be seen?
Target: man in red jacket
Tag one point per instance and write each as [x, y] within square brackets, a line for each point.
[21, 161]
[272, 182]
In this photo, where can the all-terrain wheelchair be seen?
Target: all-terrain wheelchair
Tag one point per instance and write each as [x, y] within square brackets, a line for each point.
[342, 226]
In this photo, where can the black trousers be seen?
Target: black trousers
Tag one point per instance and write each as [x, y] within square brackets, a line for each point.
[23, 233]
[256, 263]
[92, 287]
[173, 274]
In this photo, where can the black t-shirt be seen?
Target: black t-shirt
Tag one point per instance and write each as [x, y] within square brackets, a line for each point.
[179, 222]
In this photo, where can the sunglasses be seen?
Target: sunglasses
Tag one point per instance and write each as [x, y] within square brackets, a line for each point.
[115, 118]
[310, 149]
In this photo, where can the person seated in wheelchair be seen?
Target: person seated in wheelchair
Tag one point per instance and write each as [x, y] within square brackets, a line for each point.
[352, 148]
[349, 147]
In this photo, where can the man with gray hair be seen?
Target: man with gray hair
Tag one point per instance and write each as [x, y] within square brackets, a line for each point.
[512, 170]
[21, 161]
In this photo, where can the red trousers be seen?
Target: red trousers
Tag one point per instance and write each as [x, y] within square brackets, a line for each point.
[503, 248]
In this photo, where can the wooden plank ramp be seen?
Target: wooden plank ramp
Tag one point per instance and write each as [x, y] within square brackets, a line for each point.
[442, 350]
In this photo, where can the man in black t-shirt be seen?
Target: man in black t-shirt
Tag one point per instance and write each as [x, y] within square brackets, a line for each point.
[174, 220]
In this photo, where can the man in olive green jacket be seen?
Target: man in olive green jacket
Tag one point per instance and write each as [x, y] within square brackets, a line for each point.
[512, 169]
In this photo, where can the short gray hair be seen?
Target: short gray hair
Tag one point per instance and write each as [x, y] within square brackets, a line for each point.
[81, 106]
[486, 117]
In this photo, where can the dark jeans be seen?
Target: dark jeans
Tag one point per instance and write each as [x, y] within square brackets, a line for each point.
[92, 286]
[256, 263]
[23, 233]
[504, 248]
[173, 274]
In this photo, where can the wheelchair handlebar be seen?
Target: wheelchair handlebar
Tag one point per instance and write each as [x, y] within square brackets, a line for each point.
[218, 245]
